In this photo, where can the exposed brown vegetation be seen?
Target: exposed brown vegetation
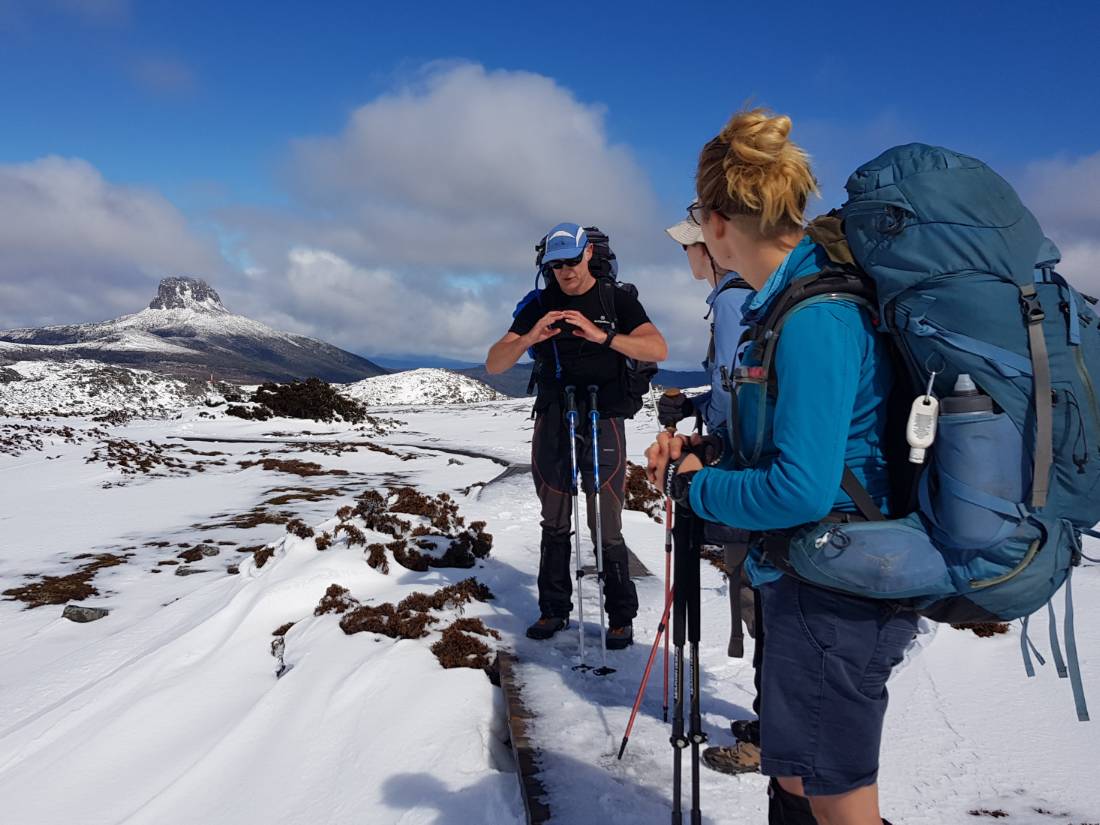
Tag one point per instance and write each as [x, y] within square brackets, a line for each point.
[371, 507]
[641, 495]
[457, 648]
[323, 541]
[147, 458]
[313, 399]
[299, 528]
[355, 535]
[293, 466]
[16, 439]
[290, 494]
[983, 630]
[441, 511]
[282, 629]
[263, 554]
[246, 521]
[376, 558]
[63, 589]
[387, 620]
[454, 595]
[337, 599]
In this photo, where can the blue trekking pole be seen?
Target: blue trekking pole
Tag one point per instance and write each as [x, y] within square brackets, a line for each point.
[594, 416]
[571, 417]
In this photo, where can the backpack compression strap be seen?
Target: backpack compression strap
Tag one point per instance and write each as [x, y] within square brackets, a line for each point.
[1044, 415]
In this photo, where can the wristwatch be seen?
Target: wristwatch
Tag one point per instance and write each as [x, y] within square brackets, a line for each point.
[607, 341]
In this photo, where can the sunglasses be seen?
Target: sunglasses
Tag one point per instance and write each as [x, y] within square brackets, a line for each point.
[567, 262]
[697, 213]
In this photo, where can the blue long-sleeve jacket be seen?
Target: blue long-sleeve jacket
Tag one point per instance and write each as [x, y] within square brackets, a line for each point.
[725, 316]
[834, 375]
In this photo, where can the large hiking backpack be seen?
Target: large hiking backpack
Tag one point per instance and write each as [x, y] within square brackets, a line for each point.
[958, 273]
[604, 266]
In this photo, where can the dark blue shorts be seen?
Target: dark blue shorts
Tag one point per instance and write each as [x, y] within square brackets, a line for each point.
[823, 684]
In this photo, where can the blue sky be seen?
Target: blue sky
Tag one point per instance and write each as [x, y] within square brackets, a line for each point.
[219, 112]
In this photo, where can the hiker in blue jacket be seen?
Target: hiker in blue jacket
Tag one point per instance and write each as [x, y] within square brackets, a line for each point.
[828, 655]
[728, 293]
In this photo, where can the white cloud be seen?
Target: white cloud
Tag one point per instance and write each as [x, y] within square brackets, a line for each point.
[377, 310]
[78, 248]
[464, 168]
[1062, 192]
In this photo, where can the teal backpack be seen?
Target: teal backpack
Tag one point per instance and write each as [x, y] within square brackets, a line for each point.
[957, 272]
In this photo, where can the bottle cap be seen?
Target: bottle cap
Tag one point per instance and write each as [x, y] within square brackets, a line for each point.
[916, 455]
[964, 385]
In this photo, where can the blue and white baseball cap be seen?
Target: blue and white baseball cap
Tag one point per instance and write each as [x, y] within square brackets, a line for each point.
[565, 241]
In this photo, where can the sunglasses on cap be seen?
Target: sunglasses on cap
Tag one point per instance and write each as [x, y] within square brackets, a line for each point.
[565, 262]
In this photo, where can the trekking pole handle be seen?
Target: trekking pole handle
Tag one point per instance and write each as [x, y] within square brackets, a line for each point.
[593, 391]
[671, 392]
[571, 400]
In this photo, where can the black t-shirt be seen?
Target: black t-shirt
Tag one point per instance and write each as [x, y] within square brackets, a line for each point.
[583, 362]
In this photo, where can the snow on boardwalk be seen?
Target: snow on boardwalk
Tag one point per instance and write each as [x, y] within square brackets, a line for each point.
[168, 711]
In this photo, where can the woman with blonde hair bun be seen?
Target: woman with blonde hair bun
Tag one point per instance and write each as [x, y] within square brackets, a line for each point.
[794, 446]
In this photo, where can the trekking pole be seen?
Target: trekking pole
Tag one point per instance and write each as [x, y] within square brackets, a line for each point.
[662, 630]
[679, 616]
[594, 416]
[571, 417]
[672, 392]
[695, 733]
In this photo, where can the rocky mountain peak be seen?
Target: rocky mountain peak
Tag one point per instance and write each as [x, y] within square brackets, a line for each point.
[187, 293]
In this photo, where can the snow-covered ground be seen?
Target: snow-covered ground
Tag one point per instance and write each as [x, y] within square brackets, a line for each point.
[422, 386]
[83, 387]
[169, 709]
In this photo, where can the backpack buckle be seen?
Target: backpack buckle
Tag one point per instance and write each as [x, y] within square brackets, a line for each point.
[750, 375]
[1032, 309]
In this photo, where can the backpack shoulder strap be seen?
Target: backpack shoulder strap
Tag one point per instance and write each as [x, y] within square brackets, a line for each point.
[607, 287]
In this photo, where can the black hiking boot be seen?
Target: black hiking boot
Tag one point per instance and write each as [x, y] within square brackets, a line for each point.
[620, 637]
[746, 730]
[741, 758]
[546, 627]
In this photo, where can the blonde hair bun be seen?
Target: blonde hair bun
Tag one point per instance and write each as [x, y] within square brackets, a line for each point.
[753, 168]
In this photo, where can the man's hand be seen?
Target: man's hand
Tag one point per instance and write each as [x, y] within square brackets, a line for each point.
[543, 330]
[584, 327]
[666, 448]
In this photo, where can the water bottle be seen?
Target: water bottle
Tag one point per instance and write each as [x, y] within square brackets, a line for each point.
[977, 450]
[966, 398]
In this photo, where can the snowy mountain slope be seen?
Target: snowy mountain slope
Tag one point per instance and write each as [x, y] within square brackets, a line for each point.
[92, 388]
[420, 387]
[171, 708]
[187, 331]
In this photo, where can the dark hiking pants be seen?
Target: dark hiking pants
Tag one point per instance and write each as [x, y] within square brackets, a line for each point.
[552, 471]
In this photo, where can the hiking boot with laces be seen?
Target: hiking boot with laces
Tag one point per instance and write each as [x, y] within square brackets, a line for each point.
[746, 730]
[620, 637]
[546, 626]
[741, 758]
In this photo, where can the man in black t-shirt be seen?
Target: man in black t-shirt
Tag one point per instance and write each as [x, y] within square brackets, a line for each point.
[577, 344]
